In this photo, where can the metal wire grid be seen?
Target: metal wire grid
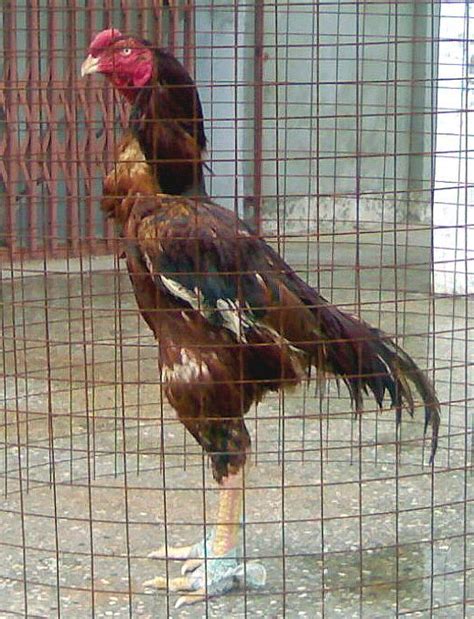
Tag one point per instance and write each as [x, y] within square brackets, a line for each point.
[97, 470]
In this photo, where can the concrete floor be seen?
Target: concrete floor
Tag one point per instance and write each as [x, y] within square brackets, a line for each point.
[344, 531]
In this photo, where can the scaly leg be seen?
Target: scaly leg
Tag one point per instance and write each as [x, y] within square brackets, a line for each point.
[221, 539]
[216, 570]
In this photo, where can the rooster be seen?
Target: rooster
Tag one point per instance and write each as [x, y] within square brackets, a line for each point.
[231, 319]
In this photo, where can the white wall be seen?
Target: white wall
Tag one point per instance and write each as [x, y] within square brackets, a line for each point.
[224, 62]
[453, 215]
[347, 113]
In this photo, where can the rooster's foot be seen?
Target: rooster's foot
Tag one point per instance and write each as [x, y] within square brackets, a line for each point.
[214, 576]
[192, 555]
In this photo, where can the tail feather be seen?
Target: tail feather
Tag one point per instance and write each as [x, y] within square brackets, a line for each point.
[368, 360]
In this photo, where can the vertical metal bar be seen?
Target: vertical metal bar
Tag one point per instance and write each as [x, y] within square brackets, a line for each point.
[173, 25]
[127, 16]
[33, 106]
[148, 20]
[87, 142]
[4, 370]
[258, 114]
[396, 112]
[12, 160]
[11, 115]
[108, 104]
[72, 180]
[163, 470]
[284, 42]
[338, 112]
[51, 108]
[51, 445]
[156, 34]
[432, 35]
[468, 136]
[360, 50]
[92, 203]
[141, 11]
[123, 428]
[189, 36]
[385, 191]
[89, 427]
[3, 172]
[16, 374]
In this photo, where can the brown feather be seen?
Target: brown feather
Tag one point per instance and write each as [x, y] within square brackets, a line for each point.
[167, 120]
[130, 176]
[231, 318]
[212, 375]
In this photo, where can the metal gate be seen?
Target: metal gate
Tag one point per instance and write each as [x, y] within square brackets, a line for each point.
[51, 162]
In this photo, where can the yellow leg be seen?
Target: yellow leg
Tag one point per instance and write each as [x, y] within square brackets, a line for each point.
[214, 566]
[228, 515]
[226, 533]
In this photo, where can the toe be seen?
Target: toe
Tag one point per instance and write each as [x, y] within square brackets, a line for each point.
[178, 553]
[157, 554]
[156, 583]
[191, 598]
[190, 565]
[182, 583]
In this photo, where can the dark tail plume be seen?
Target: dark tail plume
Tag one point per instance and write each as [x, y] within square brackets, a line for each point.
[368, 360]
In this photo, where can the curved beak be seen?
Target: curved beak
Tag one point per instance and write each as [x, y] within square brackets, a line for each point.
[90, 65]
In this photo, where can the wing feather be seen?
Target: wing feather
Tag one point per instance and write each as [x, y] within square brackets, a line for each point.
[198, 259]
[207, 259]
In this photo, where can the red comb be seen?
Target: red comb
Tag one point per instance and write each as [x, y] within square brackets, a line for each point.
[103, 39]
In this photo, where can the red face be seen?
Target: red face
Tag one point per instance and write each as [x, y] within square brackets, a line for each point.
[127, 62]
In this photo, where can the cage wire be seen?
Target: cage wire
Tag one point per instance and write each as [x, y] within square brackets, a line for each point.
[341, 132]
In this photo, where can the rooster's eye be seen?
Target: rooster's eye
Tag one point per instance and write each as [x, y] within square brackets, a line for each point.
[126, 51]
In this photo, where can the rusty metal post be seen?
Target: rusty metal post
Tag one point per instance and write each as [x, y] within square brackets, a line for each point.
[189, 38]
[33, 115]
[258, 115]
[11, 114]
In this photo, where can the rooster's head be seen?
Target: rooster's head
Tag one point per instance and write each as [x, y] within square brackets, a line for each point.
[126, 61]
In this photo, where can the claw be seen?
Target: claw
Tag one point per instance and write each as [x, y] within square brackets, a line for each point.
[178, 553]
[171, 584]
[155, 583]
[191, 598]
[190, 565]
[156, 554]
[181, 553]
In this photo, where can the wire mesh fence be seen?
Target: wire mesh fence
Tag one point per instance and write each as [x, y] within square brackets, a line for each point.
[340, 132]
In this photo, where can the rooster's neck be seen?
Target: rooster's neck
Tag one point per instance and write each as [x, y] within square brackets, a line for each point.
[170, 143]
[132, 175]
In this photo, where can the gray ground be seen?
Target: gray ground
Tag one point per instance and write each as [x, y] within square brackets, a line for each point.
[342, 529]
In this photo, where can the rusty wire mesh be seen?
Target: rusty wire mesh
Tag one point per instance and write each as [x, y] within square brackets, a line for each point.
[324, 120]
